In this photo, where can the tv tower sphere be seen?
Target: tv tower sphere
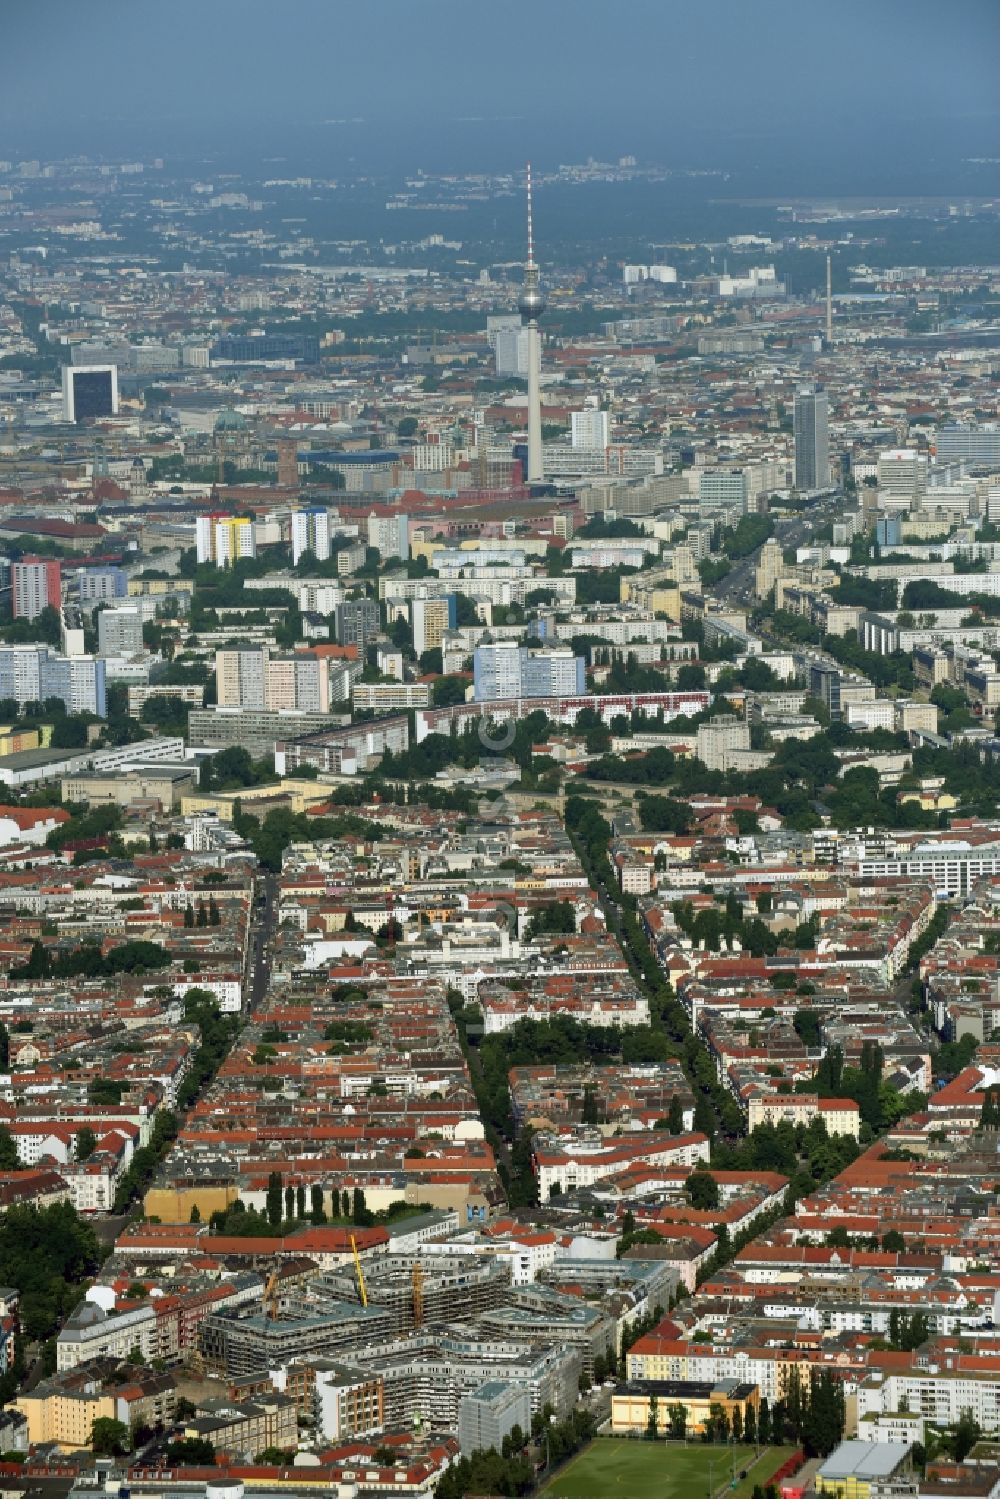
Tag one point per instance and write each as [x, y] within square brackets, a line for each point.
[531, 303]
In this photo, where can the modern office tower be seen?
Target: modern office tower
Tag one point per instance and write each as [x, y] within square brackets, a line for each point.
[36, 585]
[509, 342]
[724, 489]
[32, 673]
[590, 428]
[430, 618]
[812, 450]
[89, 391]
[511, 351]
[223, 539]
[978, 444]
[903, 473]
[356, 622]
[531, 306]
[119, 632]
[504, 669]
[310, 533]
[824, 684]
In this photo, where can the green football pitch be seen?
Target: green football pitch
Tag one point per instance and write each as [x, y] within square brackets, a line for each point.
[637, 1469]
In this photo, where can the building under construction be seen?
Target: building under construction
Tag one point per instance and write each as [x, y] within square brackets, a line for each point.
[420, 1290]
[233, 1344]
[426, 1374]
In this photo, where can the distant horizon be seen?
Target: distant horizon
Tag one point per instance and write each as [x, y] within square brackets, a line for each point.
[899, 90]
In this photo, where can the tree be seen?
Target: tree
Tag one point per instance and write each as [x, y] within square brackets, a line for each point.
[965, 1436]
[108, 1437]
[192, 1452]
[214, 914]
[274, 1199]
[289, 1203]
[188, 915]
[651, 1420]
[702, 1190]
[85, 1143]
[9, 1158]
[677, 1418]
[705, 1122]
[989, 1118]
[675, 1115]
[300, 1201]
[316, 1210]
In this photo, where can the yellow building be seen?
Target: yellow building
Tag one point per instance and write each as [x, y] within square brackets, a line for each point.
[298, 796]
[65, 1418]
[660, 597]
[174, 1204]
[930, 794]
[137, 587]
[13, 741]
[851, 1471]
[841, 1116]
[633, 1404]
[63, 1409]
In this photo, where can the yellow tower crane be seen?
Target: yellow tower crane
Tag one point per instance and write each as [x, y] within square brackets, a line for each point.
[362, 1289]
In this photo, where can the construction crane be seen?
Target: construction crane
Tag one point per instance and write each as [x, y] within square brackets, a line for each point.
[362, 1289]
[271, 1296]
[418, 1296]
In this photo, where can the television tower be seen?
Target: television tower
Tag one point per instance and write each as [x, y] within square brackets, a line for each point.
[531, 306]
[829, 302]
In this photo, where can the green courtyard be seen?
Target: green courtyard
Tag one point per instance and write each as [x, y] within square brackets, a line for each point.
[633, 1469]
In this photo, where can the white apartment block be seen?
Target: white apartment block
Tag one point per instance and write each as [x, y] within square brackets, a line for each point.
[310, 533]
[590, 428]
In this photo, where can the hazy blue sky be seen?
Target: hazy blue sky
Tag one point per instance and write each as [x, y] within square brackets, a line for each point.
[684, 80]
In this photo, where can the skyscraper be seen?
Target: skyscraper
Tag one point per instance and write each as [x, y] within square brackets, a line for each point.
[812, 449]
[310, 533]
[531, 306]
[89, 391]
[223, 539]
[430, 618]
[36, 585]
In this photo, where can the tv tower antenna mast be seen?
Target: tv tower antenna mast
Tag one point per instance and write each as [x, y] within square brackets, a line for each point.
[531, 306]
[829, 302]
